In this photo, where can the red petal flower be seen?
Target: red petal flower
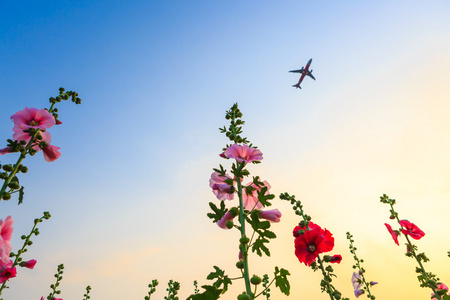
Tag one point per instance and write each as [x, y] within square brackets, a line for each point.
[393, 233]
[411, 229]
[308, 246]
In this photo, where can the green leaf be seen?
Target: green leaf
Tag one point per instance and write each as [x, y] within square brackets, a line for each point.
[259, 246]
[218, 212]
[281, 280]
[210, 293]
[446, 297]
[21, 195]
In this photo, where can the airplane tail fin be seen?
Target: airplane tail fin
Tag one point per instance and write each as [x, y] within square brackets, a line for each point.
[297, 86]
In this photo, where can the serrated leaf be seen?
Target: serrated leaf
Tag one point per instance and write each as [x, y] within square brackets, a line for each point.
[281, 280]
[210, 293]
[259, 246]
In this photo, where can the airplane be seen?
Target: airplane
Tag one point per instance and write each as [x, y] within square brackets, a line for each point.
[304, 71]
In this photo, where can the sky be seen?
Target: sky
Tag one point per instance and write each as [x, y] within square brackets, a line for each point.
[129, 194]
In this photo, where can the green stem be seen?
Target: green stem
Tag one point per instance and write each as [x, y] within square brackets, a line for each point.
[245, 247]
[324, 276]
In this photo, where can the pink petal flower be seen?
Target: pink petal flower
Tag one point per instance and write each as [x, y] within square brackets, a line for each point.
[32, 118]
[220, 188]
[227, 217]
[440, 286]
[29, 264]
[243, 153]
[411, 229]
[251, 201]
[6, 230]
[356, 281]
[25, 136]
[7, 273]
[51, 153]
[358, 293]
[273, 215]
[393, 233]
[5, 151]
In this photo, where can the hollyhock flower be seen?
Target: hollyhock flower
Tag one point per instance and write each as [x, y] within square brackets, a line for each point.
[5, 151]
[308, 246]
[411, 229]
[440, 286]
[227, 217]
[250, 200]
[222, 190]
[273, 215]
[243, 153]
[7, 271]
[336, 259]
[32, 118]
[328, 237]
[28, 264]
[373, 283]
[357, 284]
[6, 230]
[393, 233]
[51, 153]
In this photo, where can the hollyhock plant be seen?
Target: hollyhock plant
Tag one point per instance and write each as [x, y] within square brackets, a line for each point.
[393, 233]
[7, 272]
[243, 153]
[357, 284]
[336, 259]
[220, 188]
[272, 215]
[411, 229]
[51, 152]
[250, 195]
[229, 216]
[32, 118]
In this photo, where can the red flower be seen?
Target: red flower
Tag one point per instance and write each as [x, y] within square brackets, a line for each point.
[411, 229]
[28, 264]
[7, 273]
[328, 237]
[393, 233]
[308, 246]
[336, 259]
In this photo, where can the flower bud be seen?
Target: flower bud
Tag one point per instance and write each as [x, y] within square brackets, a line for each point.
[243, 296]
[6, 197]
[240, 264]
[229, 224]
[244, 240]
[255, 280]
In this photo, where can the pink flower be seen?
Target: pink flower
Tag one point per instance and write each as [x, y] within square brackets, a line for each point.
[336, 259]
[243, 153]
[273, 215]
[32, 118]
[227, 217]
[250, 200]
[5, 151]
[357, 284]
[325, 233]
[6, 271]
[221, 189]
[440, 286]
[6, 230]
[393, 233]
[411, 229]
[51, 153]
[29, 264]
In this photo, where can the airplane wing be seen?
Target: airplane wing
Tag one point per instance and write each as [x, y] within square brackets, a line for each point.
[298, 71]
[311, 75]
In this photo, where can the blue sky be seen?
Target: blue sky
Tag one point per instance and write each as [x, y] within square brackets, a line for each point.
[129, 194]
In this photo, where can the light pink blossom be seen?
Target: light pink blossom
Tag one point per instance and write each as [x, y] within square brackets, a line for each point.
[243, 153]
[250, 200]
[357, 284]
[32, 118]
[51, 153]
[440, 286]
[5, 151]
[227, 217]
[273, 215]
[221, 189]
[6, 230]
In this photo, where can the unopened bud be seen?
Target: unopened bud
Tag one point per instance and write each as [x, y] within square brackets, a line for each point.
[255, 280]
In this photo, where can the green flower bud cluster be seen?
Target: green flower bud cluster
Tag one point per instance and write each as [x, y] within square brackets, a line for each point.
[54, 287]
[172, 290]
[86, 296]
[265, 282]
[235, 129]
[152, 287]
